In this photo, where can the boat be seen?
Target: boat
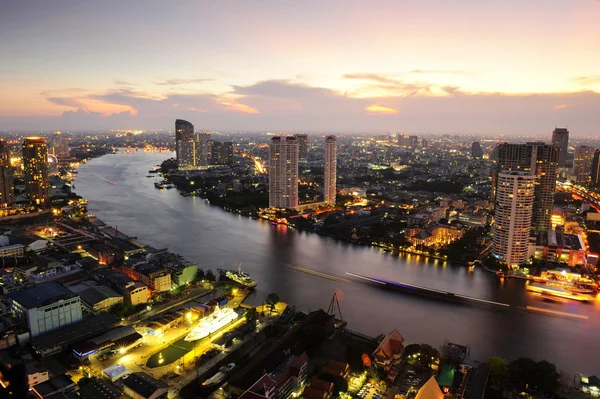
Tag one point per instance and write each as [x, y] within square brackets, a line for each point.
[210, 324]
[559, 292]
[169, 186]
[238, 276]
[220, 376]
[502, 274]
[154, 170]
[160, 186]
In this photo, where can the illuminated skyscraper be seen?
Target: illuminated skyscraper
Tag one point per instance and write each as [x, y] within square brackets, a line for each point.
[330, 169]
[184, 131]
[35, 164]
[595, 174]
[513, 213]
[582, 164]
[283, 173]
[476, 151]
[539, 159]
[60, 147]
[201, 150]
[560, 139]
[302, 146]
[6, 187]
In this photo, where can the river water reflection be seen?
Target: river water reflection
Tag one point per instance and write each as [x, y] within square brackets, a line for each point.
[214, 238]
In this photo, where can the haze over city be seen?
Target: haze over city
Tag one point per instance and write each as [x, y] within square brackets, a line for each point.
[470, 67]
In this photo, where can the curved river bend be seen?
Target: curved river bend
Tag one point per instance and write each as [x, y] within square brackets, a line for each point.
[214, 238]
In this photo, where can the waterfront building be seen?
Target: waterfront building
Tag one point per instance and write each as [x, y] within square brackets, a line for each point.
[302, 140]
[330, 170]
[35, 164]
[476, 150]
[143, 386]
[389, 354]
[45, 307]
[134, 291]
[582, 164]
[595, 172]
[556, 246]
[201, 150]
[513, 213]
[540, 160]
[184, 132]
[283, 173]
[6, 184]
[560, 139]
[156, 277]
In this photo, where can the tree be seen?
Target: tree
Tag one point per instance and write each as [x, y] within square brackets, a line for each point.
[428, 355]
[200, 275]
[411, 349]
[272, 300]
[527, 373]
[210, 276]
[451, 354]
[252, 316]
[498, 366]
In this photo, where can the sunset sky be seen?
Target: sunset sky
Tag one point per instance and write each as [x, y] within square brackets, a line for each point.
[461, 66]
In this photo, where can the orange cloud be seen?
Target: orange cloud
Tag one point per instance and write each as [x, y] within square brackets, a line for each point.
[380, 110]
[557, 107]
[244, 109]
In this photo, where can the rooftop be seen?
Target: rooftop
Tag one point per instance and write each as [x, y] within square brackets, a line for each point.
[143, 384]
[41, 295]
[94, 295]
[99, 389]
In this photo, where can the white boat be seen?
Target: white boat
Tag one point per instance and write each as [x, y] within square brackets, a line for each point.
[210, 324]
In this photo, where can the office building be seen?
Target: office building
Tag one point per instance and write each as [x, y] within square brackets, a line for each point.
[476, 150]
[302, 140]
[201, 150]
[330, 169]
[184, 132]
[45, 307]
[582, 164]
[539, 159]
[35, 164]
[283, 173]
[560, 139]
[6, 184]
[513, 213]
[595, 172]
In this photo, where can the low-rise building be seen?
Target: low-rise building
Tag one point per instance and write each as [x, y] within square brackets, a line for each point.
[59, 384]
[556, 246]
[143, 386]
[15, 250]
[134, 292]
[99, 389]
[156, 277]
[103, 253]
[46, 307]
[100, 298]
[389, 352]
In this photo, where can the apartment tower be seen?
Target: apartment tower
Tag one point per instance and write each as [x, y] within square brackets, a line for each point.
[582, 164]
[330, 169]
[560, 139]
[513, 214]
[283, 173]
[35, 165]
[6, 187]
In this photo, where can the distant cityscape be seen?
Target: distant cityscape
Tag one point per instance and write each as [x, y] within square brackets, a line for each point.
[102, 304]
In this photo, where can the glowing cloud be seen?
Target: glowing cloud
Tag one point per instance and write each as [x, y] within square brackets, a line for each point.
[243, 108]
[380, 110]
[559, 107]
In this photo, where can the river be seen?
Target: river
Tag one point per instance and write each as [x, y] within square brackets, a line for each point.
[214, 238]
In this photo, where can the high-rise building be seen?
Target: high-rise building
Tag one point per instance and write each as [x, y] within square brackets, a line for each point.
[35, 164]
[302, 140]
[283, 173]
[6, 187]
[221, 153]
[60, 147]
[560, 139]
[582, 164]
[184, 131]
[201, 150]
[539, 159]
[513, 214]
[330, 169]
[595, 174]
[476, 150]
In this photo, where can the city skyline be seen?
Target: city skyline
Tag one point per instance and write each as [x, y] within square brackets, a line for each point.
[302, 67]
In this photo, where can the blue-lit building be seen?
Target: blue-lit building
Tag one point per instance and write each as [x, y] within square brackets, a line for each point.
[46, 307]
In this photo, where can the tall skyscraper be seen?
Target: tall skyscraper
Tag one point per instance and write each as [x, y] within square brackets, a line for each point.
[6, 186]
[513, 213]
[302, 146]
[476, 150]
[330, 169]
[184, 131]
[283, 173]
[60, 147]
[35, 164]
[582, 164]
[539, 159]
[201, 150]
[595, 174]
[560, 139]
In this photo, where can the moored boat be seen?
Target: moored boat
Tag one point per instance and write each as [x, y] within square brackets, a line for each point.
[238, 276]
